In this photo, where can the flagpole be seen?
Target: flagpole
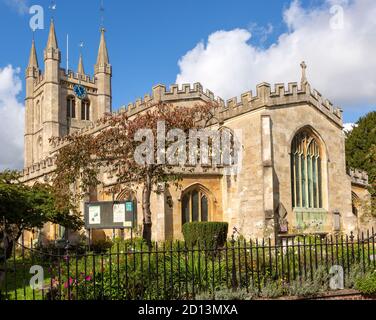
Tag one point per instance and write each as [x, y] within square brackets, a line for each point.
[67, 53]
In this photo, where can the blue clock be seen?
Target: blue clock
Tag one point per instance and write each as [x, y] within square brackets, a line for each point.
[80, 91]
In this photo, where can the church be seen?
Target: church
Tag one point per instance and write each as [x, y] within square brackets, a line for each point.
[293, 177]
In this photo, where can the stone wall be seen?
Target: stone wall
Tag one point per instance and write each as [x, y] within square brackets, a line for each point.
[268, 122]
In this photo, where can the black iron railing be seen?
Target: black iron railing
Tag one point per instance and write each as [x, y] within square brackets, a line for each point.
[172, 270]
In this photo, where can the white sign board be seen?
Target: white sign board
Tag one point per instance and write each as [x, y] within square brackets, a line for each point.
[119, 213]
[127, 224]
[95, 214]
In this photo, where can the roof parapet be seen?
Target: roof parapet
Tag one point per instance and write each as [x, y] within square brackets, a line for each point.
[265, 97]
[359, 177]
[39, 169]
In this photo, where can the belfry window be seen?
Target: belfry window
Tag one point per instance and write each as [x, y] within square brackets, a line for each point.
[195, 206]
[38, 113]
[85, 110]
[71, 107]
[306, 177]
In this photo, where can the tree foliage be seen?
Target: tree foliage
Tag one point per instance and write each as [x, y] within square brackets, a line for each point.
[23, 208]
[361, 149]
[84, 158]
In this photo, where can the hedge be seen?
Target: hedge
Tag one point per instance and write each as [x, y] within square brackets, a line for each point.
[213, 235]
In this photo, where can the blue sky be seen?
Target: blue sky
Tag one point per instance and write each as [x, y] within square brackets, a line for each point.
[145, 38]
[228, 46]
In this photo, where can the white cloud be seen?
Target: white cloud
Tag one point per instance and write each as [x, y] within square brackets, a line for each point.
[340, 56]
[11, 119]
[21, 6]
[348, 127]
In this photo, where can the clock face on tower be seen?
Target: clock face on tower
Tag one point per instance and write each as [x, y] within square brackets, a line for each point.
[79, 91]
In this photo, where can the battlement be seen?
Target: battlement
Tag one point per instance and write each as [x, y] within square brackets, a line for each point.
[265, 97]
[71, 75]
[89, 129]
[39, 169]
[185, 91]
[280, 96]
[359, 177]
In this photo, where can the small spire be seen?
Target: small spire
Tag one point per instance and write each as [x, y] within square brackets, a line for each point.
[33, 59]
[52, 42]
[304, 76]
[81, 69]
[102, 58]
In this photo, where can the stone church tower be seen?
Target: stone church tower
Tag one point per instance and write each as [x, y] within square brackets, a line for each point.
[53, 108]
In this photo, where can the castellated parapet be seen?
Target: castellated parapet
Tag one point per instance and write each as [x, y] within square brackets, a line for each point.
[359, 177]
[70, 75]
[264, 98]
[233, 107]
[40, 169]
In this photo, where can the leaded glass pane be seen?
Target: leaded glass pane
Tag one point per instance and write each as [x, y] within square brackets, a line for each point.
[315, 189]
[303, 181]
[204, 208]
[68, 108]
[320, 182]
[185, 209]
[195, 213]
[73, 108]
[310, 181]
[297, 181]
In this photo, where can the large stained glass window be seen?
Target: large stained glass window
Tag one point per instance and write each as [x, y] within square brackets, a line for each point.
[306, 171]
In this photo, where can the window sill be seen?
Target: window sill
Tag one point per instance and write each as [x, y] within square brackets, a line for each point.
[309, 210]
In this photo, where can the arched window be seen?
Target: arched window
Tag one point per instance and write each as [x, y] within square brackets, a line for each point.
[71, 107]
[60, 232]
[85, 110]
[306, 177]
[41, 111]
[195, 206]
[37, 113]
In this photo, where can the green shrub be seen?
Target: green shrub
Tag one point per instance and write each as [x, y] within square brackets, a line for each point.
[310, 286]
[227, 294]
[101, 246]
[128, 245]
[302, 288]
[321, 279]
[367, 284]
[355, 274]
[271, 290]
[212, 235]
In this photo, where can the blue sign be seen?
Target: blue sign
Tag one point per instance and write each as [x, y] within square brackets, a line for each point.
[129, 206]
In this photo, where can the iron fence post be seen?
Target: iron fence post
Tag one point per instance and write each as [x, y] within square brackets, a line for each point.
[234, 282]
